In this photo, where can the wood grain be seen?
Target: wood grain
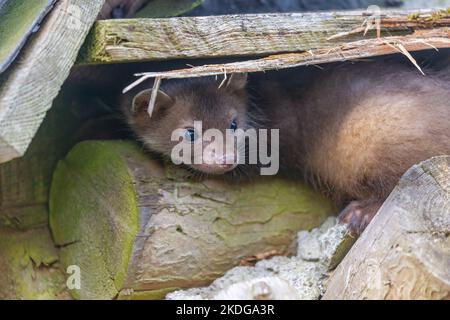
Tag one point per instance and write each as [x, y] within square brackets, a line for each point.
[27, 91]
[363, 49]
[405, 252]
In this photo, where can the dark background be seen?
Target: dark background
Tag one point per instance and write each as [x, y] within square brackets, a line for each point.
[215, 7]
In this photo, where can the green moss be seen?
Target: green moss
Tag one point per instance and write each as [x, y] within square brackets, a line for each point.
[437, 15]
[27, 265]
[285, 208]
[25, 186]
[414, 16]
[441, 14]
[92, 47]
[102, 249]
[17, 18]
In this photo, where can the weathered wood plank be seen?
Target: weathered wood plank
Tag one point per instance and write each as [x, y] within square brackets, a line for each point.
[240, 35]
[28, 89]
[18, 20]
[405, 252]
[419, 40]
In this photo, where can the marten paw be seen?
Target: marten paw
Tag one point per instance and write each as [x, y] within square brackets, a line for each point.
[358, 215]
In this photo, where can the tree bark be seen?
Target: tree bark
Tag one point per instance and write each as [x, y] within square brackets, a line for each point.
[138, 230]
[405, 252]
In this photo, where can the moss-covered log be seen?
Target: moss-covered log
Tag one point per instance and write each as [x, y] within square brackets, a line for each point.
[27, 265]
[24, 192]
[138, 230]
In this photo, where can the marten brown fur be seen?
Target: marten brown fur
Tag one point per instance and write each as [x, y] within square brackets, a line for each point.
[351, 131]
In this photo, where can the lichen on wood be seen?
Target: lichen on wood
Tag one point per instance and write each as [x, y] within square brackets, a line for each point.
[24, 195]
[27, 264]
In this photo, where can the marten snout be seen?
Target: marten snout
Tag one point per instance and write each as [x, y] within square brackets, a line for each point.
[216, 161]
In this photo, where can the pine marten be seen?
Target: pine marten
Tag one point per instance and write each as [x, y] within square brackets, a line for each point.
[352, 131]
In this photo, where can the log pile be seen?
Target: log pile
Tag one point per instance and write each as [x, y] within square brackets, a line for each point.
[139, 230]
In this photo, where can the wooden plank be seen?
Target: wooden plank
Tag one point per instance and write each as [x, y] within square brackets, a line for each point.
[419, 40]
[405, 252]
[28, 89]
[25, 16]
[114, 41]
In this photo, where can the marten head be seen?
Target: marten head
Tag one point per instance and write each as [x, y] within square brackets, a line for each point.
[181, 105]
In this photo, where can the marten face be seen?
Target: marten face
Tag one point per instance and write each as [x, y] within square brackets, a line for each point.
[185, 111]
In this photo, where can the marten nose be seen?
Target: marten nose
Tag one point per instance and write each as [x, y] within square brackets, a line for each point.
[226, 161]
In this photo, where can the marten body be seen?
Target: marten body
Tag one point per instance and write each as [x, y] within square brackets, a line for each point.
[357, 129]
[352, 131]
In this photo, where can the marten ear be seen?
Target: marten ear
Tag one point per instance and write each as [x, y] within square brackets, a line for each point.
[237, 81]
[142, 99]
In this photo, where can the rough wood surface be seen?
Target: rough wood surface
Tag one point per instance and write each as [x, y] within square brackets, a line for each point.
[405, 252]
[115, 41]
[420, 40]
[27, 265]
[137, 230]
[28, 89]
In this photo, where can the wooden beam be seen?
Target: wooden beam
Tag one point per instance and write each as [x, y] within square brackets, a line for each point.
[115, 41]
[28, 89]
[419, 40]
[405, 252]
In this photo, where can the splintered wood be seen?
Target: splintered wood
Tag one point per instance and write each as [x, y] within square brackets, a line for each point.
[419, 31]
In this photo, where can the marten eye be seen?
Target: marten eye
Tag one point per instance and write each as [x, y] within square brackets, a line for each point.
[190, 135]
[233, 125]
